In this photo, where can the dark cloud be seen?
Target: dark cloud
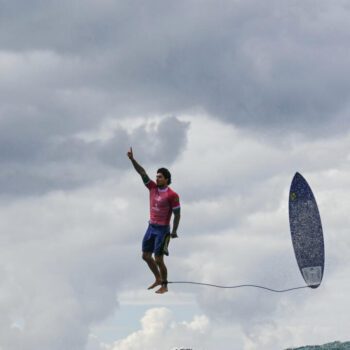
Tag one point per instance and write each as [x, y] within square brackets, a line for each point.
[67, 67]
[33, 162]
[264, 66]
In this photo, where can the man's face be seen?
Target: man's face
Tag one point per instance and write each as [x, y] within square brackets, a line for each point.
[161, 180]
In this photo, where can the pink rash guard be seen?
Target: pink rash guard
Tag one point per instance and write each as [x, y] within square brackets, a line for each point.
[162, 203]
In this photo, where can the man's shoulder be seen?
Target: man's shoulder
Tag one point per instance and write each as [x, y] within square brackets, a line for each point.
[172, 193]
[150, 184]
[174, 199]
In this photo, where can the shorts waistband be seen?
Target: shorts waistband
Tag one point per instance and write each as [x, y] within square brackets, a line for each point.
[157, 225]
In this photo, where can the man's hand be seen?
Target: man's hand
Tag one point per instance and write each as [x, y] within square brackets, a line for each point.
[136, 165]
[174, 235]
[130, 154]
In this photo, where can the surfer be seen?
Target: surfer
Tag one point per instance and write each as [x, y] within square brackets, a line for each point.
[163, 202]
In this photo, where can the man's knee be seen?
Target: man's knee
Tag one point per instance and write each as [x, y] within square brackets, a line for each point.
[159, 259]
[146, 256]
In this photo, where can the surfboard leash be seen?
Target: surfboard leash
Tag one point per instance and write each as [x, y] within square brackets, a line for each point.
[239, 286]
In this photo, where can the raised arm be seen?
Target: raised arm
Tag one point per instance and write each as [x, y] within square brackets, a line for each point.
[140, 170]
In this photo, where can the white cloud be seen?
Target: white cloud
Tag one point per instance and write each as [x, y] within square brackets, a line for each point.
[61, 260]
[160, 331]
[234, 234]
[66, 257]
[255, 247]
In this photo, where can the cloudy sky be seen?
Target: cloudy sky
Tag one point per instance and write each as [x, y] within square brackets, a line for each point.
[234, 97]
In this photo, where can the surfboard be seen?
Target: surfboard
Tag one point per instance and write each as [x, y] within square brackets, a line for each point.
[306, 231]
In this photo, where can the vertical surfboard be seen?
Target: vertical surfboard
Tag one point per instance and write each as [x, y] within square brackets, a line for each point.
[306, 231]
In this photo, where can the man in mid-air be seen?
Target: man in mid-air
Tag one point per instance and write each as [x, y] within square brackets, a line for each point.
[163, 202]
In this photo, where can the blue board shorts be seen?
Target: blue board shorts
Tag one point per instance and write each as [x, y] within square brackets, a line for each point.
[156, 239]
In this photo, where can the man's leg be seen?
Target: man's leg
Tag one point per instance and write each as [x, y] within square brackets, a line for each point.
[147, 256]
[147, 249]
[159, 259]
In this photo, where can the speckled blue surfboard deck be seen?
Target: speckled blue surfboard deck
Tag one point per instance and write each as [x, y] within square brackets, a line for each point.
[306, 231]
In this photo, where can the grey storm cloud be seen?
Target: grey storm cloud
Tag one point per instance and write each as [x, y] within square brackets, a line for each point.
[36, 162]
[271, 65]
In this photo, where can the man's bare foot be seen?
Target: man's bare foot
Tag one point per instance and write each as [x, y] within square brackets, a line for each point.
[163, 289]
[155, 284]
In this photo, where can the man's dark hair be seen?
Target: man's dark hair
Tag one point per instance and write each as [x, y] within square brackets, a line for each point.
[166, 173]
